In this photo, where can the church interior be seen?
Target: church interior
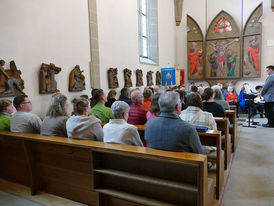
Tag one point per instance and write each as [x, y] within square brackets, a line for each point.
[74, 46]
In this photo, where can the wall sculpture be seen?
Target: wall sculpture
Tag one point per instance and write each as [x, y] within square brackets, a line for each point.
[47, 82]
[158, 78]
[149, 78]
[113, 82]
[139, 78]
[76, 79]
[127, 77]
[11, 83]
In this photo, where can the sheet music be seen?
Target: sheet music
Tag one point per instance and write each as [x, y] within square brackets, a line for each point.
[247, 89]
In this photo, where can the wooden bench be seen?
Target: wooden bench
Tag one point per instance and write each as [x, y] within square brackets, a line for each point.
[97, 173]
[231, 114]
[223, 125]
[209, 138]
[233, 107]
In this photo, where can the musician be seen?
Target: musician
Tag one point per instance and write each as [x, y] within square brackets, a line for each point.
[259, 101]
[268, 94]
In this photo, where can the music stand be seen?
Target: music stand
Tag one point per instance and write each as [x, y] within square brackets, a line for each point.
[250, 99]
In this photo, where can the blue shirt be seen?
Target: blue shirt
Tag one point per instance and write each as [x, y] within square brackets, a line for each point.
[169, 132]
[268, 89]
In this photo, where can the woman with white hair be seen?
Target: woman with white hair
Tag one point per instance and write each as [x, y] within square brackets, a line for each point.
[118, 130]
[219, 97]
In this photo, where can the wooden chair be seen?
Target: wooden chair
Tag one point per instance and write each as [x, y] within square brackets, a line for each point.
[223, 125]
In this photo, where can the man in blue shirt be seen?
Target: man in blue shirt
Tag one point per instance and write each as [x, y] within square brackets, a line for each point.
[268, 94]
[168, 131]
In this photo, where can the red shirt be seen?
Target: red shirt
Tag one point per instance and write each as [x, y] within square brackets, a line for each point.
[147, 104]
[136, 114]
[231, 97]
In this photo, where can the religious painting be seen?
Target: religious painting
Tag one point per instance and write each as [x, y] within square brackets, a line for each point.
[76, 79]
[113, 78]
[11, 83]
[223, 58]
[252, 41]
[47, 82]
[272, 5]
[194, 50]
[222, 26]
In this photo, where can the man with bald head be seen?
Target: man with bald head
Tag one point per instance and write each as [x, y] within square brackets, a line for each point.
[137, 115]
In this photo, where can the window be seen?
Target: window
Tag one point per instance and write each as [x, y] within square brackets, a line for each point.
[148, 32]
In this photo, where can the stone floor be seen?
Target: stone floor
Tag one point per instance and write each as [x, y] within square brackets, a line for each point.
[251, 180]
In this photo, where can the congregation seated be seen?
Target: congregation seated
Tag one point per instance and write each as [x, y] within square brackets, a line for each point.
[6, 110]
[182, 95]
[168, 131]
[23, 120]
[195, 115]
[125, 94]
[118, 130]
[92, 99]
[82, 126]
[137, 115]
[110, 98]
[100, 110]
[154, 108]
[193, 89]
[218, 97]
[232, 98]
[54, 124]
[209, 105]
[148, 96]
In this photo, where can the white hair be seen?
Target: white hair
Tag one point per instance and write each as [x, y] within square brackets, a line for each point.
[119, 108]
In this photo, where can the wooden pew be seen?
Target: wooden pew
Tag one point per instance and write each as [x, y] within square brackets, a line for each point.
[209, 138]
[97, 173]
[231, 114]
[223, 125]
[233, 107]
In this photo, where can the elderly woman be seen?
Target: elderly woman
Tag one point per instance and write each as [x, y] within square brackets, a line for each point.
[6, 109]
[218, 98]
[82, 126]
[118, 130]
[54, 123]
[195, 115]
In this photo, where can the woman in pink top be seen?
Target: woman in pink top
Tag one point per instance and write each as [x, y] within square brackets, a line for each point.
[154, 108]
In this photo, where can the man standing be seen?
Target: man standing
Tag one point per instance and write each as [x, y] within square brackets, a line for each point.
[23, 120]
[268, 94]
[168, 131]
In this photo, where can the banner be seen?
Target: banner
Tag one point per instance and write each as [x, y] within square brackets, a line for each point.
[272, 5]
[168, 76]
[180, 77]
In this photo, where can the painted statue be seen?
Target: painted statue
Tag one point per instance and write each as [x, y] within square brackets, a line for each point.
[113, 82]
[139, 78]
[149, 78]
[194, 57]
[127, 77]
[76, 79]
[158, 78]
[47, 82]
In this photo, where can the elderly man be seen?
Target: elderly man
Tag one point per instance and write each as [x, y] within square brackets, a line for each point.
[23, 120]
[168, 131]
[137, 115]
[118, 130]
[268, 94]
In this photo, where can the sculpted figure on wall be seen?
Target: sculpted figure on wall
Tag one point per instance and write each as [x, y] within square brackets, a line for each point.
[47, 82]
[113, 82]
[158, 78]
[127, 77]
[76, 79]
[11, 83]
[139, 78]
[149, 78]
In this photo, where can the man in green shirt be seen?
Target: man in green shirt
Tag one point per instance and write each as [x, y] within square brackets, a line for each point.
[100, 110]
[6, 109]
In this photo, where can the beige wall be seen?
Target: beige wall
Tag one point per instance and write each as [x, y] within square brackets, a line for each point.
[52, 31]
[234, 8]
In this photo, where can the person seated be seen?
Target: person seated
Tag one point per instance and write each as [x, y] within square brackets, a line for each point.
[210, 106]
[168, 131]
[110, 98]
[225, 89]
[232, 98]
[195, 115]
[100, 110]
[82, 126]
[148, 96]
[92, 100]
[6, 110]
[23, 120]
[54, 123]
[200, 90]
[118, 130]
[154, 108]
[218, 97]
[182, 95]
[125, 94]
[259, 101]
[137, 115]
[193, 89]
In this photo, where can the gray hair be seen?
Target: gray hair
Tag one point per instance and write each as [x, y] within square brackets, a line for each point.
[56, 109]
[168, 101]
[119, 108]
[218, 93]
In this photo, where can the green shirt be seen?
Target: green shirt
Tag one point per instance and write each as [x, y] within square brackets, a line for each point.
[4, 122]
[101, 112]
